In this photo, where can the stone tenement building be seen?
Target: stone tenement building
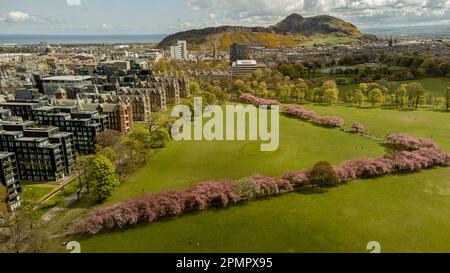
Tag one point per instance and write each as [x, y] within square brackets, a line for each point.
[209, 76]
[147, 97]
[120, 114]
[183, 82]
[172, 89]
[140, 103]
[153, 93]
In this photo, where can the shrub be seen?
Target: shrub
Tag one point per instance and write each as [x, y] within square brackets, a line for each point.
[297, 179]
[246, 188]
[51, 203]
[249, 98]
[407, 142]
[323, 175]
[272, 186]
[358, 128]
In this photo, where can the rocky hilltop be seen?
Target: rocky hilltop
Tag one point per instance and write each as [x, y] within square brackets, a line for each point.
[322, 24]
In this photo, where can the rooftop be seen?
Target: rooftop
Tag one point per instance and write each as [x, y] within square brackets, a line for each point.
[67, 78]
[246, 62]
[5, 154]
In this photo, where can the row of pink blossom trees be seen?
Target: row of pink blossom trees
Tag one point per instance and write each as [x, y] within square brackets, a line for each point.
[249, 98]
[148, 208]
[407, 142]
[405, 161]
[302, 113]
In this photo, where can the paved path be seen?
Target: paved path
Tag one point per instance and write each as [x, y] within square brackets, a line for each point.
[58, 189]
[67, 202]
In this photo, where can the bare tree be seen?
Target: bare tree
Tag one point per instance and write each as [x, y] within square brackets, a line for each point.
[24, 231]
[82, 165]
[447, 98]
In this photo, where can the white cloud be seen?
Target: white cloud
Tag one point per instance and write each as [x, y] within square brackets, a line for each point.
[18, 16]
[73, 2]
[106, 27]
[2, 19]
[266, 12]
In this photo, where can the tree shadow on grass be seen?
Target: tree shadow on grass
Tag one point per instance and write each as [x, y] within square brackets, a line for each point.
[86, 201]
[440, 111]
[311, 190]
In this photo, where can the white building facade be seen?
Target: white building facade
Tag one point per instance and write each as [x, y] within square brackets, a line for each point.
[179, 51]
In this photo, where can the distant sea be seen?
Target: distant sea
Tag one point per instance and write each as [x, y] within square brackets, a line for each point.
[23, 39]
[432, 31]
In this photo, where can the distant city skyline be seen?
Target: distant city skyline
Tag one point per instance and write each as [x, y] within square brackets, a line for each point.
[169, 16]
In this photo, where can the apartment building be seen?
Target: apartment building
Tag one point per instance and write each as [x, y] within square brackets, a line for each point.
[178, 51]
[9, 178]
[84, 125]
[42, 153]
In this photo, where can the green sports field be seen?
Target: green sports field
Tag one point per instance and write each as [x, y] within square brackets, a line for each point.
[405, 213]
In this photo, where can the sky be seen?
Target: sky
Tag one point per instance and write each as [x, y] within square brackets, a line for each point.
[170, 16]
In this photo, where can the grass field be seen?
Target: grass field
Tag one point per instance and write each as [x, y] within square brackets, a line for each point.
[36, 191]
[380, 122]
[405, 213]
[183, 163]
[434, 86]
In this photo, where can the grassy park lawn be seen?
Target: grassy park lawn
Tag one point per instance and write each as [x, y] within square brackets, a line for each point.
[36, 192]
[405, 213]
[435, 86]
[187, 162]
[381, 122]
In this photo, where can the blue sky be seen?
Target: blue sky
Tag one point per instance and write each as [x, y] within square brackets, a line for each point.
[168, 16]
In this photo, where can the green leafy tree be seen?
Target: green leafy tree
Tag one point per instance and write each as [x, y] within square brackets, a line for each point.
[284, 91]
[323, 175]
[261, 90]
[140, 141]
[358, 96]
[400, 94]
[142, 137]
[316, 93]
[208, 98]
[364, 88]
[328, 96]
[444, 68]
[102, 176]
[194, 87]
[375, 96]
[159, 138]
[239, 87]
[258, 74]
[415, 92]
[220, 95]
[331, 95]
